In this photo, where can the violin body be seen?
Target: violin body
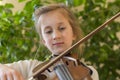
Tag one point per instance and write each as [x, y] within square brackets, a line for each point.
[72, 70]
[69, 69]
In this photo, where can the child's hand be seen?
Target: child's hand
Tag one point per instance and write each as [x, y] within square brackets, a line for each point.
[7, 73]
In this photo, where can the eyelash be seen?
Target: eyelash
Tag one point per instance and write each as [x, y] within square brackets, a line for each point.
[60, 28]
[49, 31]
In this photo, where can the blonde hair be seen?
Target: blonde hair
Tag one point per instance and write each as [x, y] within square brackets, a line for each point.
[65, 11]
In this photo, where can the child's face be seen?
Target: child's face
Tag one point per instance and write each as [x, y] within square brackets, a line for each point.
[56, 32]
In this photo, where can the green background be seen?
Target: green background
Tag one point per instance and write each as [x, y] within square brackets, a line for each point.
[19, 40]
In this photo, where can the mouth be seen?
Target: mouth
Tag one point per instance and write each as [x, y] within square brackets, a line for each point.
[58, 43]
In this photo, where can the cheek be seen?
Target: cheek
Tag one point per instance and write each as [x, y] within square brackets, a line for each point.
[71, 36]
[70, 39]
[46, 41]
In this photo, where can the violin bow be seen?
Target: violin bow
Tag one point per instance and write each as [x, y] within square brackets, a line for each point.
[54, 60]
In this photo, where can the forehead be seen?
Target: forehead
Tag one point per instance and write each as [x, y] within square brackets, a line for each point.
[52, 17]
[62, 11]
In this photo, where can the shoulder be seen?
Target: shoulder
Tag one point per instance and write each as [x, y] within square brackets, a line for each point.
[94, 74]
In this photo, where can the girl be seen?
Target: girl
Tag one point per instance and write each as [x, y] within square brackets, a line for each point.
[58, 30]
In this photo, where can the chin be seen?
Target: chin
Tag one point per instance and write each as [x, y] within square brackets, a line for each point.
[58, 52]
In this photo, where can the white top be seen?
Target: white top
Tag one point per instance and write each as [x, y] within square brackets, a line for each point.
[25, 67]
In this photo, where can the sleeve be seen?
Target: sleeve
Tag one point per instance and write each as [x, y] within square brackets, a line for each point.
[94, 74]
[25, 67]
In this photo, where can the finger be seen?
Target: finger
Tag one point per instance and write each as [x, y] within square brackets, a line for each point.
[9, 76]
[3, 76]
[17, 76]
[21, 78]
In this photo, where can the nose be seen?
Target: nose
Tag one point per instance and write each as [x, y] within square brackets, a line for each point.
[56, 34]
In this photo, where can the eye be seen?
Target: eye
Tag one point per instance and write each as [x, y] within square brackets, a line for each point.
[48, 31]
[61, 28]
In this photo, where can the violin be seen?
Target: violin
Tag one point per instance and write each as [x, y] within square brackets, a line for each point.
[67, 68]
[70, 68]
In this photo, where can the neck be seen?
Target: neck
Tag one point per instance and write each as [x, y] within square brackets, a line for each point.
[73, 55]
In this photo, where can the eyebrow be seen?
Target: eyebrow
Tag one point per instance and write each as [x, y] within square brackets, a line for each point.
[46, 27]
[59, 23]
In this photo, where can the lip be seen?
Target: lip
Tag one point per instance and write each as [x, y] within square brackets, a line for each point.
[58, 43]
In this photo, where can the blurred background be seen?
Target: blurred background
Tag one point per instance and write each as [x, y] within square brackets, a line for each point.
[19, 40]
